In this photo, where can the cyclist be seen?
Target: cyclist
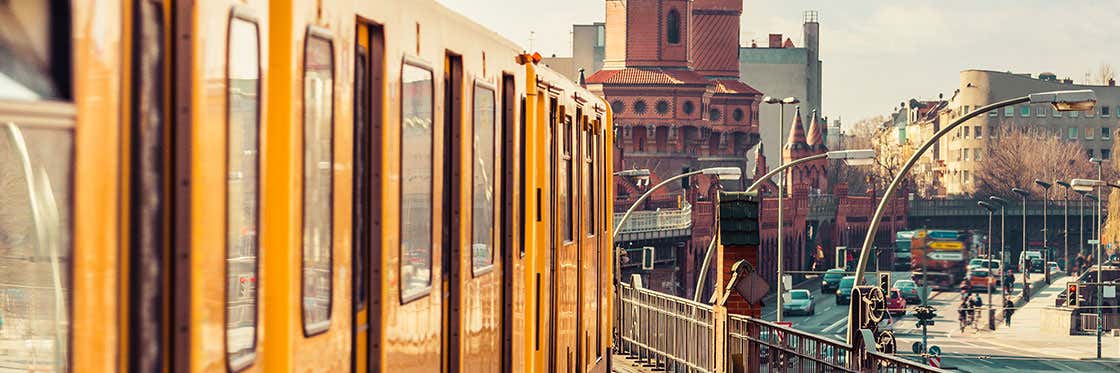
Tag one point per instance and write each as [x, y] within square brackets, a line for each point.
[964, 312]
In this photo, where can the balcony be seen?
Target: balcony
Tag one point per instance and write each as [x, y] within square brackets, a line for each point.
[650, 225]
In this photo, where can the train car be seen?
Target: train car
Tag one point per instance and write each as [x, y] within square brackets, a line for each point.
[313, 186]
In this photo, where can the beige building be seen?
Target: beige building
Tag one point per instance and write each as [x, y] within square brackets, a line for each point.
[968, 144]
[588, 51]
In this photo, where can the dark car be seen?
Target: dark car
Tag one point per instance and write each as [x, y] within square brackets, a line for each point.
[844, 291]
[909, 290]
[831, 279]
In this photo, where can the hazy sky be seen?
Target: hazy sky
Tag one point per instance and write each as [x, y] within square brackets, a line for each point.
[876, 53]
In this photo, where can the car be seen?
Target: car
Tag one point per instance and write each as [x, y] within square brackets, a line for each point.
[909, 290]
[831, 279]
[981, 278]
[1054, 267]
[844, 291]
[1036, 261]
[896, 304]
[800, 302]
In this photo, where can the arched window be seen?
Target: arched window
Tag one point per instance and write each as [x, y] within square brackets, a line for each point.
[674, 27]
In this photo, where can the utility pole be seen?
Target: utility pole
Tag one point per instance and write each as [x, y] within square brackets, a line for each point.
[1100, 268]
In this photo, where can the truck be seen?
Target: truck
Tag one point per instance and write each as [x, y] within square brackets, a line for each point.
[901, 260]
[939, 257]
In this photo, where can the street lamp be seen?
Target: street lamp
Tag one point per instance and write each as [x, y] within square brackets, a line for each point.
[1065, 226]
[639, 173]
[1060, 100]
[1026, 272]
[1002, 241]
[781, 185]
[852, 157]
[991, 309]
[1082, 184]
[1045, 228]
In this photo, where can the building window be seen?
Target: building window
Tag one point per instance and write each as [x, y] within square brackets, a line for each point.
[976, 153]
[689, 107]
[1074, 114]
[1106, 133]
[965, 152]
[979, 132]
[600, 36]
[674, 27]
[993, 113]
[737, 115]
[993, 132]
[1089, 133]
[1104, 111]
[1091, 154]
[1009, 111]
[1106, 153]
[618, 107]
[964, 110]
[713, 115]
[1056, 113]
[967, 177]
[318, 170]
[1024, 111]
[640, 107]
[967, 131]
[1072, 133]
[416, 182]
[662, 107]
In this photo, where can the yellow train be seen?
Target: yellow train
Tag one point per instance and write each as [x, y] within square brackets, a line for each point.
[279, 186]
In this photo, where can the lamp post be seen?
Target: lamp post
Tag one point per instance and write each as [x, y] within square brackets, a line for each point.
[1045, 228]
[1065, 226]
[1027, 271]
[1002, 243]
[781, 189]
[1086, 185]
[991, 309]
[1060, 100]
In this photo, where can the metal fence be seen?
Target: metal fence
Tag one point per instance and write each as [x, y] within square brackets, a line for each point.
[661, 220]
[674, 334]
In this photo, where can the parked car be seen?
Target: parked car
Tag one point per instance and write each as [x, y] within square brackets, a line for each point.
[831, 279]
[1054, 267]
[981, 278]
[844, 291]
[896, 304]
[800, 302]
[909, 290]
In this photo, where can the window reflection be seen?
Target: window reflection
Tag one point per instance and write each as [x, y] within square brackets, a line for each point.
[35, 199]
[318, 83]
[416, 182]
[482, 247]
[242, 204]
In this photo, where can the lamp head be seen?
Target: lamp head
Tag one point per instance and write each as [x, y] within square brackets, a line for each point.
[1021, 192]
[1002, 202]
[1043, 184]
[724, 173]
[1096, 160]
[855, 157]
[1062, 183]
[1085, 184]
[987, 206]
[791, 100]
[1079, 100]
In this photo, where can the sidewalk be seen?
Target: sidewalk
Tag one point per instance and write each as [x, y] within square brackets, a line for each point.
[1026, 324]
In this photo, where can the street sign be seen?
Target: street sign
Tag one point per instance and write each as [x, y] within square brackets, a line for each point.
[1109, 292]
[916, 347]
[935, 361]
[1094, 242]
[781, 335]
[945, 255]
[787, 282]
[934, 350]
[946, 245]
[942, 235]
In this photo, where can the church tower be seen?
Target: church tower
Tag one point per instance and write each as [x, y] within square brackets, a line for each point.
[715, 42]
[655, 33]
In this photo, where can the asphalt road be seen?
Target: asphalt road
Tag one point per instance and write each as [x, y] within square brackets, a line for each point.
[975, 349]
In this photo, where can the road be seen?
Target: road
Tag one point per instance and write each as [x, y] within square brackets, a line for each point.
[1018, 348]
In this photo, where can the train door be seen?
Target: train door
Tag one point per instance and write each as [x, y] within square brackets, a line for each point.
[509, 215]
[554, 117]
[368, 99]
[450, 219]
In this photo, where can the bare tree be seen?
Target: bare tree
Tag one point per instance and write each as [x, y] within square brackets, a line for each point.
[877, 133]
[1018, 156]
[1105, 73]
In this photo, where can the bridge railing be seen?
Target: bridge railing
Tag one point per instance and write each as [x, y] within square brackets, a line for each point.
[660, 220]
[678, 335]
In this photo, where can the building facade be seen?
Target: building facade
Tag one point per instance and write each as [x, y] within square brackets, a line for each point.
[966, 147]
[782, 69]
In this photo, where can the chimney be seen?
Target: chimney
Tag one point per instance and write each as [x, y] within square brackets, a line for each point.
[775, 40]
[1111, 82]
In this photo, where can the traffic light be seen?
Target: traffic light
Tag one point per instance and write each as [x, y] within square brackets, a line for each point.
[885, 283]
[738, 218]
[925, 315]
[1071, 295]
[647, 258]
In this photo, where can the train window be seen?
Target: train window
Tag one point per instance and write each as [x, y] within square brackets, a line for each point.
[416, 182]
[565, 178]
[318, 167]
[588, 183]
[482, 203]
[34, 50]
[243, 201]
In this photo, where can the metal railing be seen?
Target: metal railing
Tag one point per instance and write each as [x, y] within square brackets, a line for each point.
[651, 221]
[674, 334]
[665, 331]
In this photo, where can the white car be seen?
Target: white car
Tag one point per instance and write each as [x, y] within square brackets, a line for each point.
[1054, 268]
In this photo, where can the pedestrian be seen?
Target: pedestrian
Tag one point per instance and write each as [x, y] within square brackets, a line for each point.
[1008, 309]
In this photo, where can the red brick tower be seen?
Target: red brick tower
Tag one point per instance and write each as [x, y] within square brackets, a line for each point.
[817, 170]
[635, 39]
[715, 42]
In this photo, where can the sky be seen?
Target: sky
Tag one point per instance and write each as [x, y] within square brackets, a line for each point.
[875, 53]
